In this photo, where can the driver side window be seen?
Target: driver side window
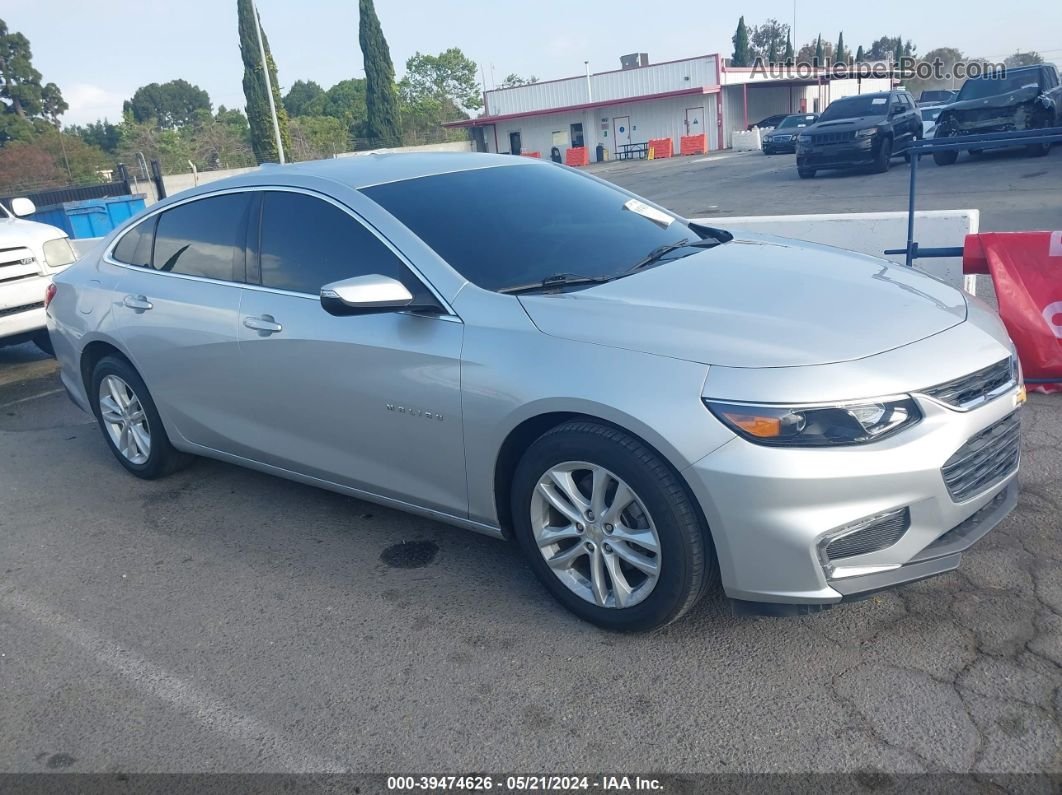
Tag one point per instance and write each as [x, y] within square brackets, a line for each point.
[306, 243]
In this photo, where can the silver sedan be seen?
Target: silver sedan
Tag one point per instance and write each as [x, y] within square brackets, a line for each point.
[647, 405]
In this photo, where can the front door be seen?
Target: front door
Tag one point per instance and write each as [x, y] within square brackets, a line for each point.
[514, 143]
[178, 312]
[621, 131]
[369, 401]
[695, 121]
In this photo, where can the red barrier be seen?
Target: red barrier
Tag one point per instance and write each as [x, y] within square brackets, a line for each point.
[661, 147]
[693, 144]
[1026, 269]
[531, 154]
[577, 156]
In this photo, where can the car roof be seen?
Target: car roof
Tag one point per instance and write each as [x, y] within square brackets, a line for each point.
[874, 94]
[363, 171]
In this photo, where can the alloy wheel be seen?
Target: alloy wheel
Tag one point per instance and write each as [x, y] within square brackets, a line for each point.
[125, 420]
[595, 534]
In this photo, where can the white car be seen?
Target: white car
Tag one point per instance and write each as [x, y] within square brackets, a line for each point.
[30, 254]
[929, 119]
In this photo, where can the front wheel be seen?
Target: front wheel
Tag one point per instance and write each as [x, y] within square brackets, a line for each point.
[1037, 150]
[609, 528]
[884, 158]
[948, 157]
[806, 173]
[130, 422]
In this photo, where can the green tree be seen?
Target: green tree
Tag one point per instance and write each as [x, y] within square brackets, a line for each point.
[789, 55]
[26, 166]
[818, 51]
[839, 52]
[304, 98]
[897, 55]
[346, 102]
[1030, 58]
[172, 104]
[263, 140]
[742, 55]
[513, 80]
[381, 98]
[100, 133]
[23, 98]
[448, 78]
[319, 137]
[887, 47]
[767, 38]
[859, 54]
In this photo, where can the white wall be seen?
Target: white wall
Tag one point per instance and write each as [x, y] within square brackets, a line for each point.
[872, 233]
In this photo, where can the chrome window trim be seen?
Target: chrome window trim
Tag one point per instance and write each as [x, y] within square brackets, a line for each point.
[108, 254]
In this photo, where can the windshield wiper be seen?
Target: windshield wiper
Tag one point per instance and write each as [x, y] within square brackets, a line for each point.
[555, 281]
[712, 237]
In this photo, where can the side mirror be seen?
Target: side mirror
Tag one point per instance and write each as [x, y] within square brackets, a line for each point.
[365, 294]
[22, 207]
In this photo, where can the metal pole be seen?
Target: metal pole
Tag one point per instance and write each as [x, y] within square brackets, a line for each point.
[915, 157]
[589, 92]
[268, 83]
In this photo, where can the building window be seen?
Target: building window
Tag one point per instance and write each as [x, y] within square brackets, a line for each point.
[577, 135]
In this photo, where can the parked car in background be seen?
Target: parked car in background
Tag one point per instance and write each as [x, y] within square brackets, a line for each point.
[770, 121]
[30, 254]
[1022, 98]
[783, 137]
[929, 115]
[936, 97]
[607, 383]
[860, 130]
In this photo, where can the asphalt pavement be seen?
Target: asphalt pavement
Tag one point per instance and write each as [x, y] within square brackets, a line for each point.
[223, 620]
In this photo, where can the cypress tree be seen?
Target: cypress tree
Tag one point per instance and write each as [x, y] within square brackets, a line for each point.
[840, 55]
[898, 55]
[772, 53]
[789, 54]
[263, 140]
[818, 51]
[859, 54]
[381, 99]
[741, 45]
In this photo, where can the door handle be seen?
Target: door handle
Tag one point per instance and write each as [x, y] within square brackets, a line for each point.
[265, 324]
[137, 302]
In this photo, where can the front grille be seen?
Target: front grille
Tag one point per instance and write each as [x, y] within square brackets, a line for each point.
[985, 460]
[14, 310]
[833, 137]
[976, 388]
[876, 534]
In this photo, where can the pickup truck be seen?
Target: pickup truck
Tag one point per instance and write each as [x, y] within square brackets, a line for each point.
[30, 254]
[1022, 98]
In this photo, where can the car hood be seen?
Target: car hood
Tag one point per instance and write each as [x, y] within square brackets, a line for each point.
[17, 232]
[757, 301]
[1017, 97]
[844, 125]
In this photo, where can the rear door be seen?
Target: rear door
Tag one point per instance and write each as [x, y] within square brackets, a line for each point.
[367, 401]
[178, 302]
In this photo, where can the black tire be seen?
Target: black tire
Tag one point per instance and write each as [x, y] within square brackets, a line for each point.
[884, 158]
[806, 173]
[1038, 150]
[44, 342]
[687, 557]
[163, 459]
[975, 152]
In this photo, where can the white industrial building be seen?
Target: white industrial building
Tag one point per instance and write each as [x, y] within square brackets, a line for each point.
[642, 101]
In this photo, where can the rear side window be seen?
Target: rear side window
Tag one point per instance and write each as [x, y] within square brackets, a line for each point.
[307, 243]
[204, 238]
[135, 246]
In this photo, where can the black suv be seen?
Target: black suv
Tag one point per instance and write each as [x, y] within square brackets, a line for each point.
[861, 130]
[1024, 98]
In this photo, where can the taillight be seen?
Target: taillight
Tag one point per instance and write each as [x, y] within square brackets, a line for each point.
[49, 294]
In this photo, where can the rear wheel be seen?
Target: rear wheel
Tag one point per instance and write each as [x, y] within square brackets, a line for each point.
[1038, 150]
[806, 173]
[130, 422]
[946, 158]
[609, 528]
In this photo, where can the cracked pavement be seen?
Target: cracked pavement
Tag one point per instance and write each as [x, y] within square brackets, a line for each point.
[224, 620]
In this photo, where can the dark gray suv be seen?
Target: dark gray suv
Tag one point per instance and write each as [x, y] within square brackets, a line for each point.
[857, 131]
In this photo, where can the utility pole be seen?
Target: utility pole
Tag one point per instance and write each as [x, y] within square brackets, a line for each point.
[269, 83]
[589, 91]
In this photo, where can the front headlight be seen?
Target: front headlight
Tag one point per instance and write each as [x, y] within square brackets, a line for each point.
[817, 426]
[867, 133]
[59, 252]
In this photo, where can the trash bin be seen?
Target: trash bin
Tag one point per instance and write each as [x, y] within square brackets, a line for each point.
[91, 217]
[600, 153]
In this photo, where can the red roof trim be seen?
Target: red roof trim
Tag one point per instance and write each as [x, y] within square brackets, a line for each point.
[482, 121]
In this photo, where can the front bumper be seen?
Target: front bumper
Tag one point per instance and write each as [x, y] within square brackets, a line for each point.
[849, 154]
[769, 509]
[22, 306]
[779, 147]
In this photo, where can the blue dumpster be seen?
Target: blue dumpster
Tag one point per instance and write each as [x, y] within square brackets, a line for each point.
[92, 217]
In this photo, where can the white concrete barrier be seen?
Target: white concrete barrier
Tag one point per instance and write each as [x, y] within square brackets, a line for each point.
[872, 233]
[746, 140]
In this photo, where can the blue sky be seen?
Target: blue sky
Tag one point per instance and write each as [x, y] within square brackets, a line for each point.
[100, 51]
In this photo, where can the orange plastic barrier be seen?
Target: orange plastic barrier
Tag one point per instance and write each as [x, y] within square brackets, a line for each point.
[531, 154]
[661, 147]
[693, 144]
[577, 156]
[1026, 270]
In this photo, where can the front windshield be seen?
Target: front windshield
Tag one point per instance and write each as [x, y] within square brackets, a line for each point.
[981, 87]
[854, 107]
[506, 226]
[796, 121]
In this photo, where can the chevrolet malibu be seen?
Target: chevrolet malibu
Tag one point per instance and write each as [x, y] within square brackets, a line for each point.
[646, 404]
